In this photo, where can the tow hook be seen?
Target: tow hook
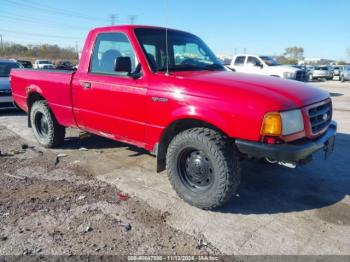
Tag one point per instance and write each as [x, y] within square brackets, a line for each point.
[289, 165]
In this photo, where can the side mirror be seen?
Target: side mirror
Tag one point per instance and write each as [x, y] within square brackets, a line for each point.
[260, 65]
[123, 65]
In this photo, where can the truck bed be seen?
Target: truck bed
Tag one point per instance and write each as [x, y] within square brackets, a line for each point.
[53, 85]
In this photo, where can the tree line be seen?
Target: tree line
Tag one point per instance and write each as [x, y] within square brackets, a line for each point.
[294, 54]
[32, 52]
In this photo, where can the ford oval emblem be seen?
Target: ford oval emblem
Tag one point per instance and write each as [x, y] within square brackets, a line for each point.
[325, 117]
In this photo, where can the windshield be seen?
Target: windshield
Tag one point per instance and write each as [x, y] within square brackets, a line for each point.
[269, 60]
[45, 62]
[186, 51]
[5, 68]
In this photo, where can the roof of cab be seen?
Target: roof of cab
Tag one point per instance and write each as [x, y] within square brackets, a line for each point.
[129, 28]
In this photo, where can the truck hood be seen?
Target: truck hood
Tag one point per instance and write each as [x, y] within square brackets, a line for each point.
[283, 68]
[4, 83]
[225, 84]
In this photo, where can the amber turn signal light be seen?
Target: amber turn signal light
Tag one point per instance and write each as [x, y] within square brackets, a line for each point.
[272, 124]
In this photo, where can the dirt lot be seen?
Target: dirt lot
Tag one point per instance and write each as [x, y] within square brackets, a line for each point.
[72, 206]
[48, 206]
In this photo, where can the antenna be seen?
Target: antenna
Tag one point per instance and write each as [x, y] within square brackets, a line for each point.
[167, 51]
[166, 39]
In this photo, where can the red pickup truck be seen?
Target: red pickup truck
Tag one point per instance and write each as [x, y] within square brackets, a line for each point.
[164, 90]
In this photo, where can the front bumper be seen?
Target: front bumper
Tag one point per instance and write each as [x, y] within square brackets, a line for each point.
[321, 75]
[292, 152]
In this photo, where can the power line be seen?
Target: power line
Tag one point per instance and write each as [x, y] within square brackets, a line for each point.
[38, 35]
[45, 23]
[59, 9]
[25, 5]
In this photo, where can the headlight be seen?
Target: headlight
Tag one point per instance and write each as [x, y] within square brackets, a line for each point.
[289, 75]
[284, 123]
[292, 122]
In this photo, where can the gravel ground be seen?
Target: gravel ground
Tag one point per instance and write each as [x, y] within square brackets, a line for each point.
[49, 206]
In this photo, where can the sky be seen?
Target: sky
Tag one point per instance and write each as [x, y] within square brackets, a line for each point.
[264, 27]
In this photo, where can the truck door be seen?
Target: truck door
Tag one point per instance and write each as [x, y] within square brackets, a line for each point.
[254, 66]
[106, 102]
[239, 63]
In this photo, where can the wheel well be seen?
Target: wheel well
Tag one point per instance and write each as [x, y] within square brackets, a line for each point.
[32, 98]
[170, 132]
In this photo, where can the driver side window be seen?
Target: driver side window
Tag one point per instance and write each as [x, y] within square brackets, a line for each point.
[109, 47]
[253, 61]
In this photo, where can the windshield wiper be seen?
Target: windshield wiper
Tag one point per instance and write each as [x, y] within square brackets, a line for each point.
[214, 67]
[210, 67]
[182, 68]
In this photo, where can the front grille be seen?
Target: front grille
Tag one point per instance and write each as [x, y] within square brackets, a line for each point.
[320, 117]
[301, 75]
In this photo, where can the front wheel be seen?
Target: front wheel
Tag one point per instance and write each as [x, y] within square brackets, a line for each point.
[45, 126]
[203, 167]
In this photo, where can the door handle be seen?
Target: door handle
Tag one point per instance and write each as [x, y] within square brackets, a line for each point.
[85, 85]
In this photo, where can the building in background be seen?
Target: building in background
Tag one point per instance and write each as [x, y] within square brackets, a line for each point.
[225, 58]
[313, 61]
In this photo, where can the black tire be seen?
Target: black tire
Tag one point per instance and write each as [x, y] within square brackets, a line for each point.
[219, 167]
[46, 129]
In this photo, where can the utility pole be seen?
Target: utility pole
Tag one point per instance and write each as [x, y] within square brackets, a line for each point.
[113, 17]
[132, 19]
[76, 47]
[1, 42]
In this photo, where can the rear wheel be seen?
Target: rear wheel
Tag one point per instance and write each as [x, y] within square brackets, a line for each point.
[45, 126]
[203, 167]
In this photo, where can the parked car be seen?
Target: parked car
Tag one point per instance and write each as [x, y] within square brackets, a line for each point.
[336, 70]
[43, 64]
[307, 70]
[199, 119]
[6, 101]
[345, 74]
[25, 63]
[321, 72]
[65, 65]
[266, 65]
